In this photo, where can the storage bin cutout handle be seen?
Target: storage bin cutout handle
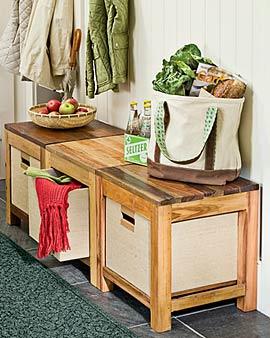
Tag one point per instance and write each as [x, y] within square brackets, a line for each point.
[25, 161]
[128, 219]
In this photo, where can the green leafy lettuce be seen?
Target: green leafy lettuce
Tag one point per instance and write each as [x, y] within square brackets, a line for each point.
[177, 75]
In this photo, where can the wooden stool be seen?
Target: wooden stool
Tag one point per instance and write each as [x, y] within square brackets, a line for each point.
[25, 145]
[152, 233]
[80, 160]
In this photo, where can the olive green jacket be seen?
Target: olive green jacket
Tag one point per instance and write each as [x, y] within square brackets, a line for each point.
[107, 46]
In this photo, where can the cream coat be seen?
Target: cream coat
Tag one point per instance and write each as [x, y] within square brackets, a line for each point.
[47, 44]
[12, 40]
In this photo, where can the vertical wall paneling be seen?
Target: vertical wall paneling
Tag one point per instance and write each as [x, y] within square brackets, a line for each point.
[158, 44]
[135, 45]
[6, 90]
[197, 27]
[244, 66]
[212, 30]
[227, 17]
[260, 163]
[142, 50]
[183, 11]
[170, 28]
[102, 103]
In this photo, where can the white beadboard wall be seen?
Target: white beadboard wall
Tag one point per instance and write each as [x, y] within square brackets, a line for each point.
[6, 92]
[234, 33]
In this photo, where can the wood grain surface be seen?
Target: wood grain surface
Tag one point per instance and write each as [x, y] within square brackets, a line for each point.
[248, 253]
[91, 154]
[161, 269]
[206, 297]
[135, 179]
[43, 136]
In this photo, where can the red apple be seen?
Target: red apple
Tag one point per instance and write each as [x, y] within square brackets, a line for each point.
[43, 110]
[53, 105]
[73, 101]
[67, 108]
[82, 110]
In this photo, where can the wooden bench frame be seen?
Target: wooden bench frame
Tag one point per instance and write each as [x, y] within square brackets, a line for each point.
[161, 301]
[161, 215]
[13, 214]
[39, 143]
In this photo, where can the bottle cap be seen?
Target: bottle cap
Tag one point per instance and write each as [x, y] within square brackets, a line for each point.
[133, 103]
[147, 103]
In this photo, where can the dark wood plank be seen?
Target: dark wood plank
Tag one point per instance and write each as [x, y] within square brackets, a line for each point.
[136, 186]
[173, 188]
[44, 136]
[135, 179]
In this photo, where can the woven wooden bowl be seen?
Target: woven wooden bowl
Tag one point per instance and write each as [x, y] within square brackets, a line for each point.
[62, 121]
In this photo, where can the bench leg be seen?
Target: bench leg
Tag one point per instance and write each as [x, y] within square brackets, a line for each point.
[160, 297]
[248, 252]
[98, 233]
[10, 218]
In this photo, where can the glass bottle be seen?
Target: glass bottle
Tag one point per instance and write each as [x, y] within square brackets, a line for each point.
[130, 118]
[133, 127]
[146, 120]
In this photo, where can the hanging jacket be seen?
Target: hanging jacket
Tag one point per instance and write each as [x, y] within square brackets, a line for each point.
[12, 40]
[107, 46]
[47, 45]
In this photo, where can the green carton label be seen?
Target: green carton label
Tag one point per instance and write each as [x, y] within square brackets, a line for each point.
[136, 148]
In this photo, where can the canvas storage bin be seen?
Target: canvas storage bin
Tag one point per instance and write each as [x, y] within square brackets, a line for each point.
[195, 139]
[78, 218]
[19, 184]
[204, 251]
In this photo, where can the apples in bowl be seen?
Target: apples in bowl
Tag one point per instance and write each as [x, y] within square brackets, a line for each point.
[62, 115]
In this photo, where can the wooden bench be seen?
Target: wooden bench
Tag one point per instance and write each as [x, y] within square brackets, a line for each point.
[169, 244]
[193, 213]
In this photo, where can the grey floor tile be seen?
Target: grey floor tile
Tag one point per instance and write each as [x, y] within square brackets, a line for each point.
[70, 273]
[228, 322]
[204, 308]
[14, 232]
[2, 212]
[178, 331]
[50, 261]
[2, 185]
[3, 189]
[88, 290]
[122, 307]
[18, 236]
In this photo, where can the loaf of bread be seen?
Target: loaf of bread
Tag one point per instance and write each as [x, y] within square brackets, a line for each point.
[231, 88]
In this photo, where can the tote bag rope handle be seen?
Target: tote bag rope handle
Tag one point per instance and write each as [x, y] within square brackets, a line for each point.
[210, 118]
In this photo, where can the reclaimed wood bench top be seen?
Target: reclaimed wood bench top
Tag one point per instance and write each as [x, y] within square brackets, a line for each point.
[135, 179]
[44, 136]
[91, 154]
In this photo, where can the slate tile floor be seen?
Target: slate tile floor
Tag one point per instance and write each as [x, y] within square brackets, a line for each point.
[218, 321]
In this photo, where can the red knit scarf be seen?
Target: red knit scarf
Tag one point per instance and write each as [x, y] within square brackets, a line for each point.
[53, 205]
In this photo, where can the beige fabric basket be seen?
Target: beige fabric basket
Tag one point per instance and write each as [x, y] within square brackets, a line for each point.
[62, 121]
[19, 186]
[204, 250]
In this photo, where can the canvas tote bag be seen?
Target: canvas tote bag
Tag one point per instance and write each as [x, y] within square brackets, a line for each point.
[195, 139]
